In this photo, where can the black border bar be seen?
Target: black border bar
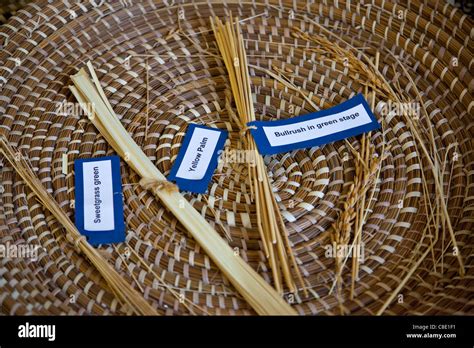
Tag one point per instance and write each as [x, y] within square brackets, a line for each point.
[316, 330]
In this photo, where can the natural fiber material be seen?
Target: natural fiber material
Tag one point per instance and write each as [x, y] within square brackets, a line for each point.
[418, 216]
[9, 8]
[124, 292]
[269, 220]
[263, 299]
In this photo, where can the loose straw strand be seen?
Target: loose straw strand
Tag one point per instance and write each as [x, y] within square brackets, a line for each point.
[124, 292]
[269, 220]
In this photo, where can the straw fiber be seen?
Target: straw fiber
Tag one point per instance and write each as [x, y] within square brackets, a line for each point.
[413, 263]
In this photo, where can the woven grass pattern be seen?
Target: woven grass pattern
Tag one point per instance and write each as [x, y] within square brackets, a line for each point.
[293, 72]
[9, 8]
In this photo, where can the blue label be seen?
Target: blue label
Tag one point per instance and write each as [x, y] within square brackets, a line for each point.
[197, 158]
[99, 202]
[350, 118]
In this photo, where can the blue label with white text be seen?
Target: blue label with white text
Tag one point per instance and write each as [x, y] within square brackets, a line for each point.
[197, 158]
[350, 118]
[99, 201]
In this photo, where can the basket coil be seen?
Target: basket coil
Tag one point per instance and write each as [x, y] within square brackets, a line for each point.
[47, 41]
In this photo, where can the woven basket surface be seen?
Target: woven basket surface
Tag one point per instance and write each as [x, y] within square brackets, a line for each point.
[9, 8]
[47, 41]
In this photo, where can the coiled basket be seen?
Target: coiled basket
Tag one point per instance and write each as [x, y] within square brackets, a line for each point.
[412, 264]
